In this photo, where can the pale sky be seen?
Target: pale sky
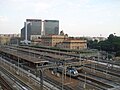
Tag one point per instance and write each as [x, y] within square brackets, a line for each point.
[76, 17]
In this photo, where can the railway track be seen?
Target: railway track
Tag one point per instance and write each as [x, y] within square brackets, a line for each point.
[21, 85]
[95, 82]
[109, 62]
[4, 84]
[48, 84]
[103, 69]
[90, 80]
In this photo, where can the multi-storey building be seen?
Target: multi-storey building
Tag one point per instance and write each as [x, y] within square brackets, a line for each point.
[73, 44]
[6, 38]
[33, 26]
[52, 40]
[63, 41]
[51, 27]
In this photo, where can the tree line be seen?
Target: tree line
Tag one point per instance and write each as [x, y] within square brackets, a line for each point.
[111, 44]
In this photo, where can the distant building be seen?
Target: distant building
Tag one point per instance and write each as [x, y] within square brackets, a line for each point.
[6, 38]
[51, 27]
[15, 40]
[23, 33]
[63, 41]
[73, 44]
[34, 27]
[96, 38]
[9, 35]
[52, 40]
[36, 39]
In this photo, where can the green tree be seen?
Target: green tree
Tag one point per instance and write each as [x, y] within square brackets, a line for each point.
[111, 44]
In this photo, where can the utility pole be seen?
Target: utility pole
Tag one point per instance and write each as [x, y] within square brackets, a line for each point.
[41, 79]
[80, 59]
[18, 63]
[107, 65]
[63, 78]
[40, 70]
[85, 82]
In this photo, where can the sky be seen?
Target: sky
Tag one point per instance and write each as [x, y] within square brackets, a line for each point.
[76, 17]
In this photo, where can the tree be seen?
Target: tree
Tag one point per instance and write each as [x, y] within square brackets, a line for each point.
[111, 44]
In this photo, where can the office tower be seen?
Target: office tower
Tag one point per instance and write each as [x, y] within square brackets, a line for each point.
[31, 27]
[35, 26]
[51, 27]
[23, 33]
[26, 34]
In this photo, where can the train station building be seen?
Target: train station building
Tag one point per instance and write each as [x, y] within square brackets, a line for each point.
[63, 41]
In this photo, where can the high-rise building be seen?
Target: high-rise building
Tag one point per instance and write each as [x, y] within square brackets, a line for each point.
[51, 27]
[33, 26]
[25, 34]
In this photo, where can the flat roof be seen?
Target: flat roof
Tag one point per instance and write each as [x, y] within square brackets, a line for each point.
[23, 56]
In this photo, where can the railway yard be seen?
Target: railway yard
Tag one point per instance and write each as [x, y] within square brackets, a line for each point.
[30, 68]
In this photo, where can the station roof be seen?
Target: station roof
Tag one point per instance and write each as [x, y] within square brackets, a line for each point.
[23, 56]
